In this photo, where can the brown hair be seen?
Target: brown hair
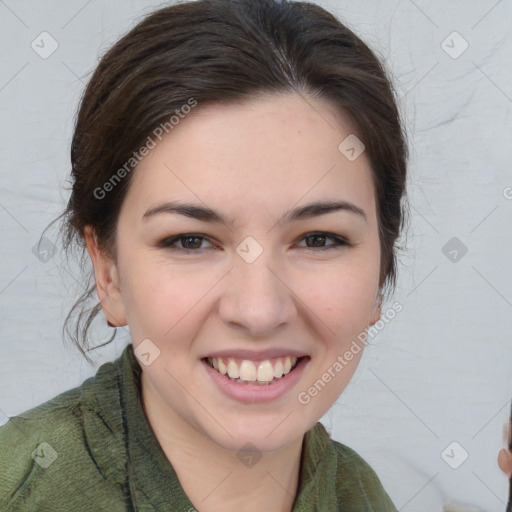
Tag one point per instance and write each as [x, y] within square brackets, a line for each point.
[220, 51]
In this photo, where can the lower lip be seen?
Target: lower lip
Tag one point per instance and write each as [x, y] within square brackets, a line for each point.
[251, 394]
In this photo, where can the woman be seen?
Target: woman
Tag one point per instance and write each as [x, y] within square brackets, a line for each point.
[238, 172]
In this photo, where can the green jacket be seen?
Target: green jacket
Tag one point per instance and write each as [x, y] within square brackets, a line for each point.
[92, 449]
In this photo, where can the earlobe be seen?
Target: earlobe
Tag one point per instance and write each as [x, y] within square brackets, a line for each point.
[107, 281]
[377, 310]
[375, 316]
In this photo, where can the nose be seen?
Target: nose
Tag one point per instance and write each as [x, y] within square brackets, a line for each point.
[257, 298]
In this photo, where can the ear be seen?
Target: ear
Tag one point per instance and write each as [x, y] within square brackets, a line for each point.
[107, 281]
[377, 310]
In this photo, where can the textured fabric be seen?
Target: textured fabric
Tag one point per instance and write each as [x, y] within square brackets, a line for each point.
[108, 459]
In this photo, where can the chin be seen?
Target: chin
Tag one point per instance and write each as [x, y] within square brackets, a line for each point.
[264, 434]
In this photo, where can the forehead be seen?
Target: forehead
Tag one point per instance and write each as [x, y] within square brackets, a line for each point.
[270, 150]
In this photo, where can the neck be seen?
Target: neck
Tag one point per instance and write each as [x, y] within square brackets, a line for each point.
[217, 479]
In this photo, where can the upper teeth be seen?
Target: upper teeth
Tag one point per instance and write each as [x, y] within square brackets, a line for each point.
[263, 371]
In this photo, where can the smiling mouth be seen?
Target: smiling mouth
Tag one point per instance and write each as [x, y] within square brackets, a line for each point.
[258, 373]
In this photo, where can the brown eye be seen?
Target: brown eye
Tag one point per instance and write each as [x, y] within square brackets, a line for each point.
[187, 242]
[317, 241]
[191, 242]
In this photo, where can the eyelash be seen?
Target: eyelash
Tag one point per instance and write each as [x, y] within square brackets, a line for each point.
[168, 243]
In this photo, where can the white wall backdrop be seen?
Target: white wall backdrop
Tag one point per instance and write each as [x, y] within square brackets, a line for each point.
[440, 371]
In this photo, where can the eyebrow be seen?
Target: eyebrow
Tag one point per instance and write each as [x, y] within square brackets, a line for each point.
[206, 214]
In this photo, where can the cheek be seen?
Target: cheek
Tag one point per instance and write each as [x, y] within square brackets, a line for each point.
[341, 298]
[161, 301]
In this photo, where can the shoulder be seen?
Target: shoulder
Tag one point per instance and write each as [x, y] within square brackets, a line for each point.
[32, 442]
[47, 450]
[349, 459]
[357, 484]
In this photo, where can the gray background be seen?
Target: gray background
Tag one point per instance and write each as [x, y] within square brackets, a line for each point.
[440, 371]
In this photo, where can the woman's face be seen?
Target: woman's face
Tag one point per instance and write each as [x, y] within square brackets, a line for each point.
[257, 287]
